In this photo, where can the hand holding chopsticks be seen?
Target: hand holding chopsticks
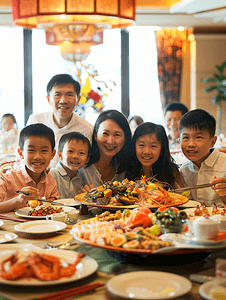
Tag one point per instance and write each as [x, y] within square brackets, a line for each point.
[71, 292]
[39, 199]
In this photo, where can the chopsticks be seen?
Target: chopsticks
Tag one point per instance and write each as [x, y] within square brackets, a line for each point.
[12, 219]
[39, 199]
[71, 292]
[189, 188]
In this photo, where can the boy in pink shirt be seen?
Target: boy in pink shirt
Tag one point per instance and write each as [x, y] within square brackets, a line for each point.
[36, 149]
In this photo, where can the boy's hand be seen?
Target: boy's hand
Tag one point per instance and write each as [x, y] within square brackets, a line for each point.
[86, 188]
[219, 185]
[23, 199]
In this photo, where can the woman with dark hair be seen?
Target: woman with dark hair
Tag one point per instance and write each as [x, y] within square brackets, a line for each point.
[151, 156]
[111, 149]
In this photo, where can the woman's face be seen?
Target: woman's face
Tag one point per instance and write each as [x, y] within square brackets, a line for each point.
[7, 123]
[148, 149]
[110, 138]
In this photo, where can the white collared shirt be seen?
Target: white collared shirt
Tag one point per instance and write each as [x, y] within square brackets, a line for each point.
[213, 165]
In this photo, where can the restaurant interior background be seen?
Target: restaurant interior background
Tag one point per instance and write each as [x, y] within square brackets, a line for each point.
[204, 47]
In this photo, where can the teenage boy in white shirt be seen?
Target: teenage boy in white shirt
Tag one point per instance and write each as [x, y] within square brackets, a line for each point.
[205, 164]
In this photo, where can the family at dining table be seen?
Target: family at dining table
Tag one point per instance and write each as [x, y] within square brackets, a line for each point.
[63, 154]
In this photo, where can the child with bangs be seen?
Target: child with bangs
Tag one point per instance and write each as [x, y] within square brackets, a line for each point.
[73, 153]
[36, 150]
[205, 164]
[152, 156]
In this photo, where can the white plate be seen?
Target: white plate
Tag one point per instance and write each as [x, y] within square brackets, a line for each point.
[11, 248]
[40, 227]
[23, 212]
[1, 223]
[86, 267]
[204, 289]
[190, 211]
[149, 285]
[190, 203]
[192, 239]
[6, 236]
[69, 202]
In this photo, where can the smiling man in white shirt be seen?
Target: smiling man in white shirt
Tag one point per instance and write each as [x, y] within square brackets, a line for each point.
[63, 95]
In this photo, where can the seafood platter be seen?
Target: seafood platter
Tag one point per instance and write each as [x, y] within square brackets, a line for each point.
[139, 234]
[201, 210]
[42, 267]
[130, 194]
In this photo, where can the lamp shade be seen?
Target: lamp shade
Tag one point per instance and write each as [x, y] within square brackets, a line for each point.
[101, 13]
[75, 51]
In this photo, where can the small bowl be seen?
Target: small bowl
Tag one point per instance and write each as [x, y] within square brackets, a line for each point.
[221, 219]
[205, 228]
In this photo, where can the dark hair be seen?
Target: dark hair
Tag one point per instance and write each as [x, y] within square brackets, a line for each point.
[67, 137]
[39, 130]
[137, 119]
[63, 79]
[123, 158]
[164, 168]
[198, 119]
[176, 106]
[11, 116]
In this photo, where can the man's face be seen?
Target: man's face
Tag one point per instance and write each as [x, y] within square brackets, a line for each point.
[172, 119]
[63, 100]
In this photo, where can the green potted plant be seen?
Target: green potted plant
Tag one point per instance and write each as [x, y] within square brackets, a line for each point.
[220, 87]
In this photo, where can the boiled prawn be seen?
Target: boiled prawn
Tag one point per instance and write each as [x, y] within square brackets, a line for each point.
[71, 268]
[43, 266]
[16, 270]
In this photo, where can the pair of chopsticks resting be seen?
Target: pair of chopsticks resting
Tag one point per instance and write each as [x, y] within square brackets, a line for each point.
[71, 292]
[39, 199]
[12, 219]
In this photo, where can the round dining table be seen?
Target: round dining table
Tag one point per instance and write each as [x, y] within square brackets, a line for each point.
[107, 265]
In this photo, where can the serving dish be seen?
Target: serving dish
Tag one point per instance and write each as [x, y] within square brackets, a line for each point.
[86, 267]
[68, 202]
[181, 200]
[190, 211]
[146, 285]
[167, 254]
[23, 212]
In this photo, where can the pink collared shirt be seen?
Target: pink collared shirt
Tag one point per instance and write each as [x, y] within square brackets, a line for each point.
[16, 179]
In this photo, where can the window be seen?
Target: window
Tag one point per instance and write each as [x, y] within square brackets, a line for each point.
[144, 86]
[106, 58]
[12, 73]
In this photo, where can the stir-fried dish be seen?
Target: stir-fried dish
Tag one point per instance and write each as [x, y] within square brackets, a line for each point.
[140, 193]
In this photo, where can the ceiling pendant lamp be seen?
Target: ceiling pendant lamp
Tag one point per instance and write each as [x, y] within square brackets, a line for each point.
[74, 50]
[83, 15]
